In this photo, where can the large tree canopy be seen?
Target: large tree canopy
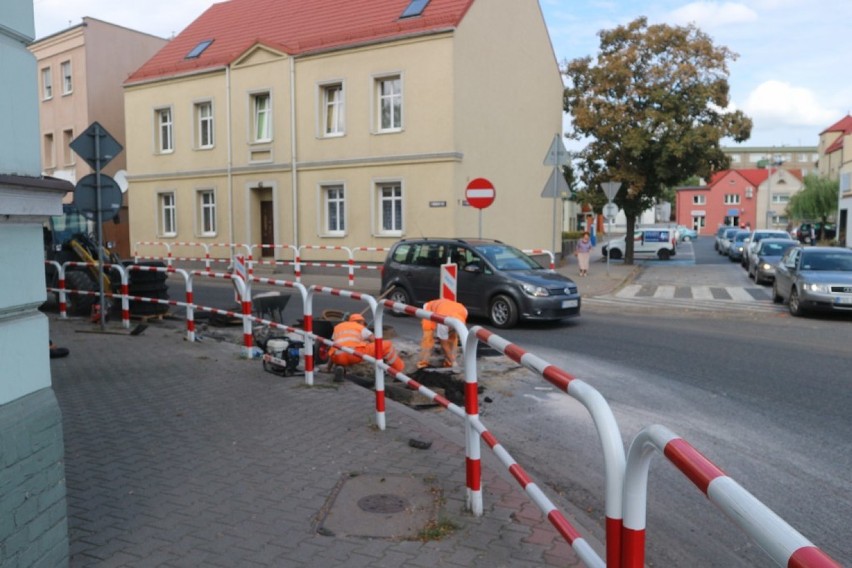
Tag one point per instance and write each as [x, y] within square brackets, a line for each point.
[653, 105]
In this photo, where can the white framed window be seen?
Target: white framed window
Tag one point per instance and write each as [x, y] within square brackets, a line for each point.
[261, 108]
[699, 199]
[67, 153]
[167, 213]
[46, 84]
[780, 198]
[389, 213]
[332, 110]
[67, 82]
[165, 130]
[333, 199]
[732, 199]
[735, 158]
[204, 125]
[389, 103]
[49, 151]
[206, 205]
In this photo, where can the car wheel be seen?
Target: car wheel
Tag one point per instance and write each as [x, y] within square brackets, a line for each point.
[794, 305]
[776, 297]
[503, 312]
[664, 254]
[615, 254]
[399, 295]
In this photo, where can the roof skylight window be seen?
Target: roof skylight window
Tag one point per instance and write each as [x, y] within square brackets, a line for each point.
[415, 8]
[199, 49]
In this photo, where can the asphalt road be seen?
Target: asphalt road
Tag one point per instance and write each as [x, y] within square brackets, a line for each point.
[765, 396]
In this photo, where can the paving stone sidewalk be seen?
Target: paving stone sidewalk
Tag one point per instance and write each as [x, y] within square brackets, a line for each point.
[183, 454]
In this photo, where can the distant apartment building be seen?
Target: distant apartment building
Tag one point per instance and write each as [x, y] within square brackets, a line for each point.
[354, 127]
[755, 198]
[80, 75]
[801, 158]
[835, 162]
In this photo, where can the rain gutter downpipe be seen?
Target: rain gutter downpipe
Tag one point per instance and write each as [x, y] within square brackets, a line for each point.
[294, 183]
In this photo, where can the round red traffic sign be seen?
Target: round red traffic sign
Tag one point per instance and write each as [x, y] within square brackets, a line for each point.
[480, 193]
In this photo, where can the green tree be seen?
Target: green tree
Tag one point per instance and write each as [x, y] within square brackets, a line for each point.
[817, 200]
[653, 105]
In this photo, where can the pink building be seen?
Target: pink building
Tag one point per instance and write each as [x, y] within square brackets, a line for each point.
[755, 198]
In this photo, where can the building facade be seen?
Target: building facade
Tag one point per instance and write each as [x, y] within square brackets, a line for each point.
[354, 128]
[33, 510]
[835, 163]
[81, 71]
[755, 198]
[801, 158]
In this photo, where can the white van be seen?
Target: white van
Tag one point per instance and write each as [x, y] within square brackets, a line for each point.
[657, 241]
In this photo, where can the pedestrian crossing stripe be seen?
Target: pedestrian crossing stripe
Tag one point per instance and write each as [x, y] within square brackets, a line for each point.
[712, 293]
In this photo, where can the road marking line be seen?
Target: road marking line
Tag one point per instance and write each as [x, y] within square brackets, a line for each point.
[739, 294]
[664, 292]
[628, 291]
[702, 293]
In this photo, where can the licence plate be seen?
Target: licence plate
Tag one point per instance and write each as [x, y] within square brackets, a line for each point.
[843, 300]
[569, 303]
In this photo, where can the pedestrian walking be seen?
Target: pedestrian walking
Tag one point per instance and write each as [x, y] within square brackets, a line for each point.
[582, 252]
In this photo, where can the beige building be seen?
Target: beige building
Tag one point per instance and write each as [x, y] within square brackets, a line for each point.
[835, 162]
[348, 127]
[802, 158]
[80, 75]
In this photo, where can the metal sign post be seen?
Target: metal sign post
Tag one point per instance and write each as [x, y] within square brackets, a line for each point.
[610, 210]
[557, 156]
[97, 147]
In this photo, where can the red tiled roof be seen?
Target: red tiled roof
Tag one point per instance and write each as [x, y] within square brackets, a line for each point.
[754, 176]
[836, 145]
[843, 125]
[294, 27]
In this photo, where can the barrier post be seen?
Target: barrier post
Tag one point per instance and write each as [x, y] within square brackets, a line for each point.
[449, 281]
[473, 450]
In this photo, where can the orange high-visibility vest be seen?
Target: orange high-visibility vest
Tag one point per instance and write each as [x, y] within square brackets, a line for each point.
[349, 334]
[447, 308]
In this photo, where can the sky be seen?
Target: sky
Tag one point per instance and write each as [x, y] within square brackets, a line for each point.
[791, 76]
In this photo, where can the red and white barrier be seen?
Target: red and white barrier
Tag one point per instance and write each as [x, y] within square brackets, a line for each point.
[449, 281]
[784, 545]
[543, 251]
[602, 416]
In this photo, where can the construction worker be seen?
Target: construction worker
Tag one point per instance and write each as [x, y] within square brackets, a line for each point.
[447, 336]
[353, 333]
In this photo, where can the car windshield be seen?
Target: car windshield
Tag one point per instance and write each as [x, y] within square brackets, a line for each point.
[504, 257]
[774, 249]
[740, 237]
[834, 261]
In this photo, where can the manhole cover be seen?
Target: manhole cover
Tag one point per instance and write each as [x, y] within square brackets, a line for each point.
[382, 503]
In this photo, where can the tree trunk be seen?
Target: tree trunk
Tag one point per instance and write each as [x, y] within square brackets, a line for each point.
[628, 239]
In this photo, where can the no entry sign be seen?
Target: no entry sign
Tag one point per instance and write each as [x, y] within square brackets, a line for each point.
[480, 193]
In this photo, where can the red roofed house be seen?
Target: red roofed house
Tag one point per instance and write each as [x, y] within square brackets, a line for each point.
[756, 198]
[835, 162]
[344, 123]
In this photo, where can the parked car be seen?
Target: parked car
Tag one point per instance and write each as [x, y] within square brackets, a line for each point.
[657, 241]
[814, 278]
[495, 280]
[762, 261]
[686, 234]
[720, 234]
[738, 242]
[803, 233]
[725, 240]
[757, 236]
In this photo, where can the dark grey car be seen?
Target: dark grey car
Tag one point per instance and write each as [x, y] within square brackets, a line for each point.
[814, 278]
[495, 280]
[761, 262]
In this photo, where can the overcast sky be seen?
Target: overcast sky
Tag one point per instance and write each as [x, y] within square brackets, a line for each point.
[792, 76]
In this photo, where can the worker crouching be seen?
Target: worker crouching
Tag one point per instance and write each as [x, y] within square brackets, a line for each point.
[447, 337]
[355, 335]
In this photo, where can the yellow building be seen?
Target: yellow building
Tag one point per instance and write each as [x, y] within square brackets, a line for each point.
[345, 124]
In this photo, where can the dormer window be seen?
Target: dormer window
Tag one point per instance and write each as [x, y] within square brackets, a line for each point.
[414, 9]
[199, 49]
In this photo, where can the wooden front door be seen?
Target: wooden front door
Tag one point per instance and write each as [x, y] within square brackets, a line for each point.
[267, 228]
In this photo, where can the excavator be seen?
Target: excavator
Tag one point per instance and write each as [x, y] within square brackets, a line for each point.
[67, 237]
